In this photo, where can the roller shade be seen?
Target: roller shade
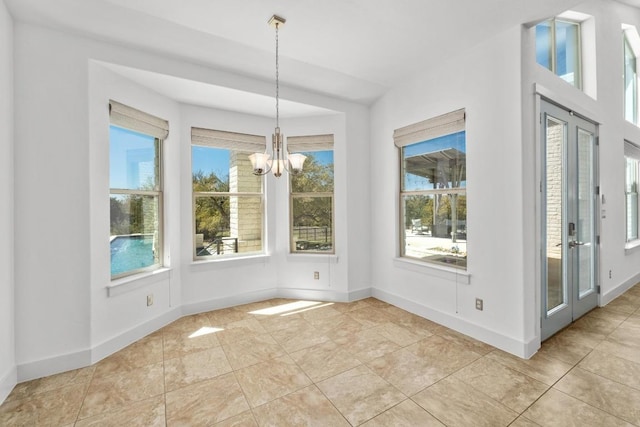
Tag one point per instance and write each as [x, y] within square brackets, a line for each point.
[428, 129]
[229, 140]
[139, 121]
[301, 144]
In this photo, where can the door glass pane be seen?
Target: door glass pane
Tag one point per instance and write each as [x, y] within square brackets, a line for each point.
[631, 197]
[556, 291]
[585, 246]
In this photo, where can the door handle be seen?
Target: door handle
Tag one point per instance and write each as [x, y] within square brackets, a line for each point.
[574, 243]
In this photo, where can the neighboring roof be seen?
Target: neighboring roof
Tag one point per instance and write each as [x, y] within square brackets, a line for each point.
[437, 164]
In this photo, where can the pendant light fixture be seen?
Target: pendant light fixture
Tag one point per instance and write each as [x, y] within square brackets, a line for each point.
[279, 159]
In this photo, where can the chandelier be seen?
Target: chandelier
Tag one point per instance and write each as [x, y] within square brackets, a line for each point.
[279, 159]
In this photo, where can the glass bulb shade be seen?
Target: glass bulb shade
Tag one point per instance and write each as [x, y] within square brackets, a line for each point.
[277, 167]
[297, 161]
[259, 162]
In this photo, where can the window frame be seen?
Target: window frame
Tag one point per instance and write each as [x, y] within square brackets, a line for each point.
[631, 44]
[306, 145]
[553, 65]
[418, 133]
[632, 153]
[157, 192]
[240, 143]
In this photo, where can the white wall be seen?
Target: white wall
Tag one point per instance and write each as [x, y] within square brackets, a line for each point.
[115, 313]
[485, 80]
[7, 322]
[67, 314]
[52, 257]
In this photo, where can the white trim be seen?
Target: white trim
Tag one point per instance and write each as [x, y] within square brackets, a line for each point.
[54, 365]
[230, 261]
[117, 343]
[496, 339]
[230, 301]
[130, 283]
[324, 295]
[564, 103]
[313, 257]
[448, 273]
[631, 247]
[7, 382]
[619, 290]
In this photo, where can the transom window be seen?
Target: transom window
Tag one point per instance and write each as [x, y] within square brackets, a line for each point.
[558, 48]
[630, 39]
[433, 196]
[135, 180]
[311, 196]
[632, 178]
[228, 202]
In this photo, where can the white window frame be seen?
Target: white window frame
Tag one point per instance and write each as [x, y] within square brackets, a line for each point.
[579, 79]
[631, 42]
[126, 117]
[632, 157]
[232, 141]
[446, 124]
[307, 144]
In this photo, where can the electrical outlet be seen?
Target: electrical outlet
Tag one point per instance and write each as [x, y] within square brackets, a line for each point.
[479, 304]
[316, 275]
[149, 300]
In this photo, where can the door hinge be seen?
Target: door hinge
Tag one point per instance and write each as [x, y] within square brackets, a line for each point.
[597, 190]
[597, 240]
[540, 118]
[598, 289]
[597, 140]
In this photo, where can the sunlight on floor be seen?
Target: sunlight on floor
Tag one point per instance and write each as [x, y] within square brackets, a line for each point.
[205, 330]
[286, 308]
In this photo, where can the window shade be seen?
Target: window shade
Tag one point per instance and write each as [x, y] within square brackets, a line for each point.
[298, 144]
[139, 121]
[428, 129]
[228, 140]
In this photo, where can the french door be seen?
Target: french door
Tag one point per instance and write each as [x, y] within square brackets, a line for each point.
[569, 222]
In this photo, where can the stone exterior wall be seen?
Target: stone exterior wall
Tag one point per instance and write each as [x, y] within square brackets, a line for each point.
[246, 212]
[555, 139]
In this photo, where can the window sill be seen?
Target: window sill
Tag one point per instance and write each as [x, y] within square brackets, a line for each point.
[316, 257]
[632, 247]
[127, 284]
[231, 261]
[448, 273]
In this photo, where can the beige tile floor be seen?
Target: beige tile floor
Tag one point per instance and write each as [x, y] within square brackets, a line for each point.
[277, 363]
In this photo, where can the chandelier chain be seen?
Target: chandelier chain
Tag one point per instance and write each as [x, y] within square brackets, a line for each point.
[277, 81]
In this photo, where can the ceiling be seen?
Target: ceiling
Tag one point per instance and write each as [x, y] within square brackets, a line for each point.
[350, 49]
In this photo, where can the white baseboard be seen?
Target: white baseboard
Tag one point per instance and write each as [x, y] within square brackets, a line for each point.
[7, 382]
[231, 301]
[53, 365]
[323, 294]
[83, 358]
[619, 290]
[117, 343]
[503, 342]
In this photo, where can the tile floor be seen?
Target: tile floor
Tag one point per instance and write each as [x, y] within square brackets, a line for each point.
[279, 363]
